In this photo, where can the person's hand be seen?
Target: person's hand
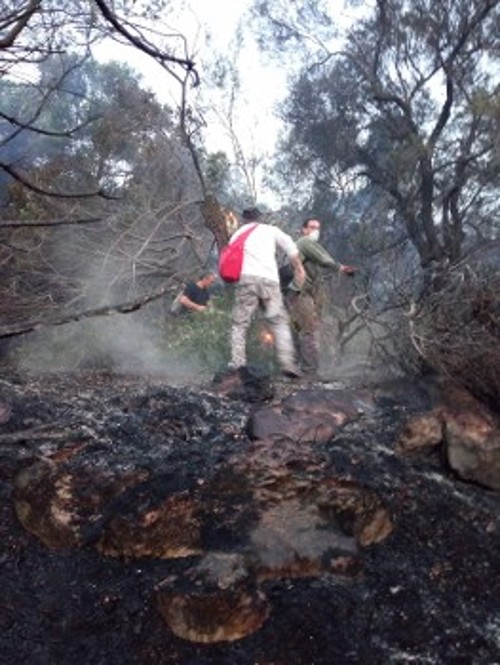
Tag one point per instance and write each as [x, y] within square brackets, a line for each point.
[348, 270]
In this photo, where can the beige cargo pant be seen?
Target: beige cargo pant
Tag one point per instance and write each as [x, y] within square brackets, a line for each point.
[305, 322]
[248, 295]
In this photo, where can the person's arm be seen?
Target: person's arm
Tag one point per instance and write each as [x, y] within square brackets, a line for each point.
[313, 251]
[289, 246]
[299, 274]
[190, 299]
[189, 304]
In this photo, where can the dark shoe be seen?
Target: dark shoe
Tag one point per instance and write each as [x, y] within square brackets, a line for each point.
[291, 372]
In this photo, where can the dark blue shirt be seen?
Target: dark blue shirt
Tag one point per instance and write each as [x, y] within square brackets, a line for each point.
[196, 294]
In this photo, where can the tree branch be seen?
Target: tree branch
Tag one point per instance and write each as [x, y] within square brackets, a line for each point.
[39, 190]
[106, 310]
[140, 44]
[20, 22]
[4, 224]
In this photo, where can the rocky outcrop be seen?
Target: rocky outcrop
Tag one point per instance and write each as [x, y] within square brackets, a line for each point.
[472, 445]
[420, 432]
[467, 432]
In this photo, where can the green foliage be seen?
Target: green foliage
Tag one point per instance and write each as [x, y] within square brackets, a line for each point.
[203, 338]
[194, 345]
[217, 173]
[83, 122]
[406, 102]
[200, 337]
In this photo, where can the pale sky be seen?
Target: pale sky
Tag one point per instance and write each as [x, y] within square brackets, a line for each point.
[263, 84]
[256, 124]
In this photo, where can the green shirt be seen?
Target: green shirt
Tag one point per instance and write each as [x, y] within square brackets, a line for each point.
[314, 257]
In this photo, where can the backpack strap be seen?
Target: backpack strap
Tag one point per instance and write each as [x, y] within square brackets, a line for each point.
[243, 236]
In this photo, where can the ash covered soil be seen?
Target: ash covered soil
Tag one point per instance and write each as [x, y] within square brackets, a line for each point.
[97, 471]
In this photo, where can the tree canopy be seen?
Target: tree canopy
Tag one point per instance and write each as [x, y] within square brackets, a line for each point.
[408, 102]
[33, 33]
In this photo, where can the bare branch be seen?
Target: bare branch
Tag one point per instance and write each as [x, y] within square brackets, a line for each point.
[19, 22]
[54, 222]
[142, 45]
[60, 195]
[121, 308]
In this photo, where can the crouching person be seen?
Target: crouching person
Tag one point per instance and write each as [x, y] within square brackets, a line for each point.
[196, 295]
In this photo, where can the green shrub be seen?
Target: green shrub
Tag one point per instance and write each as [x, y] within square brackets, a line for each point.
[205, 338]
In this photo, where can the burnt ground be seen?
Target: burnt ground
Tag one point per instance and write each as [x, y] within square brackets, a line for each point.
[428, 592]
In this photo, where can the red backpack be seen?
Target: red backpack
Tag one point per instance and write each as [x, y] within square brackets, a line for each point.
[231, 257]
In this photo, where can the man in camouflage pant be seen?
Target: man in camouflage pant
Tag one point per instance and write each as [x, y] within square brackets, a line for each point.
[304, 304]
[259, 286]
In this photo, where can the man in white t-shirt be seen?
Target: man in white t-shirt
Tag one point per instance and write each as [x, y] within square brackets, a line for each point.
[259, 285]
